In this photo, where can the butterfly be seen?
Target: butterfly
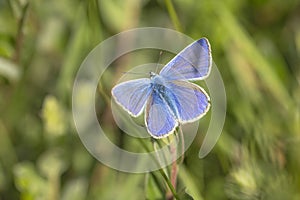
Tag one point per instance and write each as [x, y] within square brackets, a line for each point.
[168, 98]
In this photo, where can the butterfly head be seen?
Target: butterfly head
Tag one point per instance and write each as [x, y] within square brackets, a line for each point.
[152, 74]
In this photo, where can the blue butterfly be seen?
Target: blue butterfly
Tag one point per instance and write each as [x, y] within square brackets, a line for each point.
[170, 99]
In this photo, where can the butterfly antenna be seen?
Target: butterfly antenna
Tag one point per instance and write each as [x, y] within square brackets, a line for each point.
[137, 73]
[159, 58]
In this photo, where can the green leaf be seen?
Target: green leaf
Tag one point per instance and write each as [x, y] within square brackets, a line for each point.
[187, 179]
[183, 195]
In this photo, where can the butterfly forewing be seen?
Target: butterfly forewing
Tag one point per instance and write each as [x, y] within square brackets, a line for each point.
[133, 95]
[192, 63]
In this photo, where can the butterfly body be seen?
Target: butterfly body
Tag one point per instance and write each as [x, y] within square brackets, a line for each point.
[169, 98]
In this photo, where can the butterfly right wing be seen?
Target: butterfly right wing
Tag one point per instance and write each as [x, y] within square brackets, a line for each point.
[192, 63]
[133, 95]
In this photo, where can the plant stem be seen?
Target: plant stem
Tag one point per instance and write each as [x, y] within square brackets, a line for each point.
[181, 140]
[169, 184]
[174, 169]
[163, 174]
[173, 15]
[20, 34]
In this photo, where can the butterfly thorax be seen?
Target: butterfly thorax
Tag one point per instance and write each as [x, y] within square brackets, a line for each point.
[152, 74]
[156, 78]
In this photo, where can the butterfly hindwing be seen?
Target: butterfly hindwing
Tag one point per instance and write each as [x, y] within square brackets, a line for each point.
[133, 95]
[190, 101]
[192, 63]
[159, 119]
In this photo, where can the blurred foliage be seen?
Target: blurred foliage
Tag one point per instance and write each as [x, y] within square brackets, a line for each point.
[256, 45]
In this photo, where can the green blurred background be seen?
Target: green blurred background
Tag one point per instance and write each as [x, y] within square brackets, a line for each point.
[255, 44]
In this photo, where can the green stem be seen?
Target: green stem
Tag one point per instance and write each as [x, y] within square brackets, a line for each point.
[174, 169]
[94, 21]
[181, 140]
[173, 15]
[20, 34]
[161, 171]
[163, 174]
[155, 144]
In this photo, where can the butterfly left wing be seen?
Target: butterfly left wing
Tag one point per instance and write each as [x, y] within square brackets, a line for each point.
[192, 63]
[189, 101]
[133, 95]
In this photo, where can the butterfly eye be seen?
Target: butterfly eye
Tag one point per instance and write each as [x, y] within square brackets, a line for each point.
[152, 74]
